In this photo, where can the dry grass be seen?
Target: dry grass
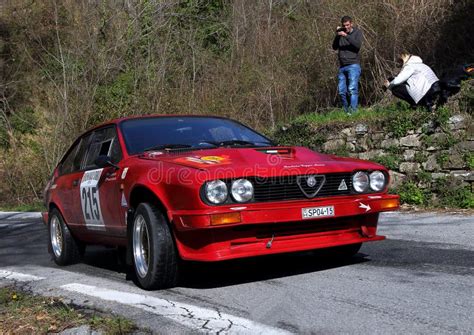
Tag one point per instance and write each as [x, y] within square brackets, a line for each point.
[23, 313]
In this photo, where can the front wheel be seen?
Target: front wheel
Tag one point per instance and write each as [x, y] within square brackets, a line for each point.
[155, 257]
[64, 247]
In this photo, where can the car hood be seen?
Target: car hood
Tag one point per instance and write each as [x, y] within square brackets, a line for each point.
[262, 161]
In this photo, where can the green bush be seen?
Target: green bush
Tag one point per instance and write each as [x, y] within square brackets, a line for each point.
[340, 151]
[442, 158]
[21, 122]
[389, 161]
[424, 177]
[403, 119]
[453, 193]
[442, 115]
[420, 157]
[469, 158]
[299, 133]
[113, 99]
[411, 194]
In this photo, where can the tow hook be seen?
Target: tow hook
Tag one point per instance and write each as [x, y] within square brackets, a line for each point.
[269, 243]
[365, 232]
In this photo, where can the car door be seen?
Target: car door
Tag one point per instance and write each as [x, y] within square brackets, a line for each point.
[71, 185]
[99, 193]
[63, 184]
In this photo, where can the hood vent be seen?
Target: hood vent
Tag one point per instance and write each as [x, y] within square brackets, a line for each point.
[283, 152]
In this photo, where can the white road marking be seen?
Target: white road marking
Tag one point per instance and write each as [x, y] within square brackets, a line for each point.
[16, 224]
[19, 215]
[23, 277]
[194, 317]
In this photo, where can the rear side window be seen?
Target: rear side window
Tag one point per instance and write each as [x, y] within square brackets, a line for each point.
[103, 142]
[67, 166]
[81, 152]
[73, 161]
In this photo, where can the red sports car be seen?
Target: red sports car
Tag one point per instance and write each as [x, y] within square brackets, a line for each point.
[164, 188]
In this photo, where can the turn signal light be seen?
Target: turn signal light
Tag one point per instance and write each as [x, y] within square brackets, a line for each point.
[227, 218]
[390, 203]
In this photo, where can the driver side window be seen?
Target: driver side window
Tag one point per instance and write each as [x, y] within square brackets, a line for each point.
[104, 142]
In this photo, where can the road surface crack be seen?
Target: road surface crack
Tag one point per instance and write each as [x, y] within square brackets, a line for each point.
[146, 305]
[228, 328]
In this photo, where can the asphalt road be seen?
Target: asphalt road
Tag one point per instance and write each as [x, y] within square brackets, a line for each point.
[419, 280]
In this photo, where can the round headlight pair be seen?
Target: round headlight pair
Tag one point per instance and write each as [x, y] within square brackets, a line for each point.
[361, 181]
[216, 191]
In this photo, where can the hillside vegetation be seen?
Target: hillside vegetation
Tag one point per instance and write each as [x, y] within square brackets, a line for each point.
[67, 65]
[430, 156]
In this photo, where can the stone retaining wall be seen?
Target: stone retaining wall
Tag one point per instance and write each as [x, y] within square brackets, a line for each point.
[428, 153]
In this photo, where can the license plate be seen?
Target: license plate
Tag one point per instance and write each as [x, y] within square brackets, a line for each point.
[317, 212]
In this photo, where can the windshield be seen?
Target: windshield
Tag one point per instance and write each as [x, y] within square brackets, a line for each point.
[187, 132]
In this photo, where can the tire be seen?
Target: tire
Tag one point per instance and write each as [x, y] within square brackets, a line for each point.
[155, 258]
[65, 249]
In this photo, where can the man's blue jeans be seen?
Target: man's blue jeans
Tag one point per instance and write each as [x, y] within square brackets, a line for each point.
[349, 73]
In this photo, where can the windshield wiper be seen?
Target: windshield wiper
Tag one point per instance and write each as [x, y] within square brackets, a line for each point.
[177, 146]
[235, 142]
[170, 146]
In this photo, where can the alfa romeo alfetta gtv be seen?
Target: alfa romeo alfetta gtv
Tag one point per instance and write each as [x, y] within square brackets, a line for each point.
[165, 188]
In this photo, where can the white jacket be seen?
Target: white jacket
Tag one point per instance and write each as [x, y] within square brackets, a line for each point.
[418, 76]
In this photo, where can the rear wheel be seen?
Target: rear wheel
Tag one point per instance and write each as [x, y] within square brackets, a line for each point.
[155, 257]
[64, 247]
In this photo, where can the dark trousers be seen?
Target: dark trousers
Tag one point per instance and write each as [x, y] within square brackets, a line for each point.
[401, 92]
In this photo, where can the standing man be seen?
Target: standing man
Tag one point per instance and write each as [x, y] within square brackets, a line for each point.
[347, 42]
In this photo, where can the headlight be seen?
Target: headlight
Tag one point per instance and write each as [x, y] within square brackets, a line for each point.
[242, 190]
[216, 191]
[360, 181]
[377, 181]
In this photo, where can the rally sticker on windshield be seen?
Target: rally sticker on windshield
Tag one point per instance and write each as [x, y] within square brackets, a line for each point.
[90, 200]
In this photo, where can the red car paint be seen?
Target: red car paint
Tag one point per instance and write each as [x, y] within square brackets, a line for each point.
[175, 179]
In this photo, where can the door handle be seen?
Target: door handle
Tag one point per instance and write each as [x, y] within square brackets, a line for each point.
[75, 182]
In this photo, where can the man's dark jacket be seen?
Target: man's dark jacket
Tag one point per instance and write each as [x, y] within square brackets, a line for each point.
[348, 47]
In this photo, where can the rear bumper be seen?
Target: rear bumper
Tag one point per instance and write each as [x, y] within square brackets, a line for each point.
[275, 228]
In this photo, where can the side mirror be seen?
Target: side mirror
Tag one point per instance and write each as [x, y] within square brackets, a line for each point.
[104, 161]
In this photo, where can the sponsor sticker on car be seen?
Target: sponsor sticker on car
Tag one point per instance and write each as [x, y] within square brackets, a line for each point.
[202, 161]
[317, 212]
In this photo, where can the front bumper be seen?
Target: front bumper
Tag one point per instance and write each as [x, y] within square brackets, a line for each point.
[279, 225]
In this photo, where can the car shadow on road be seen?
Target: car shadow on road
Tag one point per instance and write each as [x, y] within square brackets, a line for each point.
[107, 263]
[241, 271]
[105, 258]
[202, 275]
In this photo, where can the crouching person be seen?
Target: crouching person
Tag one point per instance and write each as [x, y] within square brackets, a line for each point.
[416, 83]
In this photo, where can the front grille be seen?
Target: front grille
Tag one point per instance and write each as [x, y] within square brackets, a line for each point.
[286, 188]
